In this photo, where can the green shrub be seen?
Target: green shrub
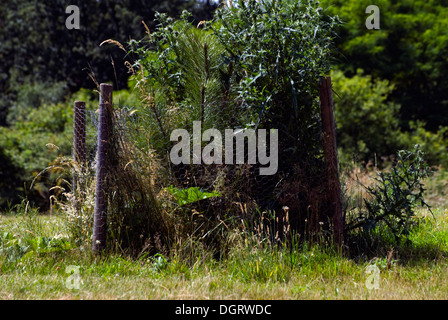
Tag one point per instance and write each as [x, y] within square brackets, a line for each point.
[367, 123]
[258, 64]
[30, 146]
[433, 144]
[279, 50]
[32, 96]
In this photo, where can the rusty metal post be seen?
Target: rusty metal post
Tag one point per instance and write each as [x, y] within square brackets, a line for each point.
[104, 120]
[331, 158]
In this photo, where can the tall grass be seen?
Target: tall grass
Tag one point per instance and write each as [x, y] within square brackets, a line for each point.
[24, 233]
[253, 269]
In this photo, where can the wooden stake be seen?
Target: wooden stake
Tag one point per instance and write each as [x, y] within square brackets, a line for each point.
[331, 158]
[100, 218]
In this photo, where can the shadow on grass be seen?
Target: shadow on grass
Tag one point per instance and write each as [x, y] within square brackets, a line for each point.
[407, 252]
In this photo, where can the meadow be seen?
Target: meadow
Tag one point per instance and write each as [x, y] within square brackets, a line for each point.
[180, 232]
[37, 260]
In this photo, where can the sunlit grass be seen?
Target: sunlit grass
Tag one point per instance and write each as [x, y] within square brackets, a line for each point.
[253, 269]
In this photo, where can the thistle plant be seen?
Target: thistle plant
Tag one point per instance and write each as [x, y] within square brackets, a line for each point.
[393, 199]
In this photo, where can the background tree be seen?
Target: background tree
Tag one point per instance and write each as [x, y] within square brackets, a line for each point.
[409, 50]
[36, 46]
[42, 63]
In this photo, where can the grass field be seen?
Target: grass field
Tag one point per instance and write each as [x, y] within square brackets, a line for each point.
[38, 261]
[34, 259]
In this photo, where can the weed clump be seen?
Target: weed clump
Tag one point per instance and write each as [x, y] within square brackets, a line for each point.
[390, 205]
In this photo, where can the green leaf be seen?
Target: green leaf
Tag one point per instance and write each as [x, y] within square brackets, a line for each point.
[190, 195]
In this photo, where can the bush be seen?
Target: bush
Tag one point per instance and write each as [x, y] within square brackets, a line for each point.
[32, 96]
[256, 65]
[279, 50]
[367, 123]
[30, 146]
[433, 144]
